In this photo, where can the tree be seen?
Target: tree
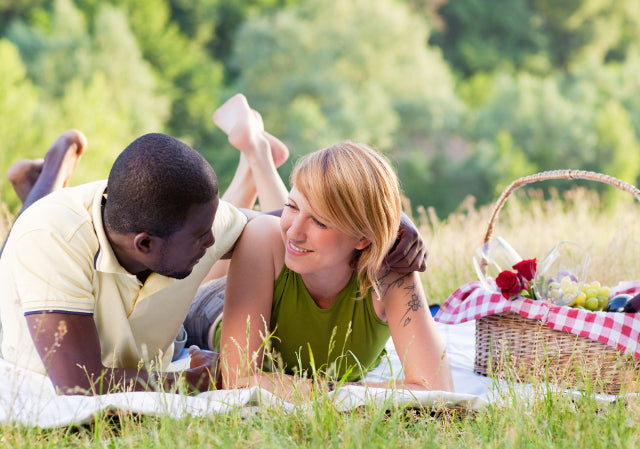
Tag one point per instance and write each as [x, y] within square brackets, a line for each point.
[482, 36]
[535, 35]
[340, 73]
[18, 106]
[92, 78]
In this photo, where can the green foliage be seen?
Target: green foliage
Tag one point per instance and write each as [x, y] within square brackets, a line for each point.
[90, 78]
[481, 36]
[535, 35]
[18, 106]
[319, 75]
[540, 84]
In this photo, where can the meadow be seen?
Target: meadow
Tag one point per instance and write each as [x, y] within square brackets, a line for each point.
[533, 223]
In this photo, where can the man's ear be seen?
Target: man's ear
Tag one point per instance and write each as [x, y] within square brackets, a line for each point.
[144, 242]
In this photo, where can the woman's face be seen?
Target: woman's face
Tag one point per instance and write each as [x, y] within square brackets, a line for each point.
[312, 245]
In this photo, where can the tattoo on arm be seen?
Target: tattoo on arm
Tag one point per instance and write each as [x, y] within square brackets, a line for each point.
[414, 304]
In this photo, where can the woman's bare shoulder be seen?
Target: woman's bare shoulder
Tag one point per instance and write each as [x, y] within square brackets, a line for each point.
[263, 226]
[262, 234]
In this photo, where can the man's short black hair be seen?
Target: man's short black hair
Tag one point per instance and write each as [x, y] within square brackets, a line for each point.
[153, 183]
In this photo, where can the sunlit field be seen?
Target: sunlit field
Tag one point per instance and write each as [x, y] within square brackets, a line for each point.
[606, 228]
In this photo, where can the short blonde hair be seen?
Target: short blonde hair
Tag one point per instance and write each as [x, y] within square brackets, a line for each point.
[354, 187]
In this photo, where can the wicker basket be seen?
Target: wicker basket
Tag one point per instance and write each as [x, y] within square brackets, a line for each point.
[510, 346]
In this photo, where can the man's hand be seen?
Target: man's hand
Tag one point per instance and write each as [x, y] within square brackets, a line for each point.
[409, 253]
[202, 368]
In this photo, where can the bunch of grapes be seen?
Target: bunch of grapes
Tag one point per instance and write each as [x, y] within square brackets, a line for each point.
[591, 296]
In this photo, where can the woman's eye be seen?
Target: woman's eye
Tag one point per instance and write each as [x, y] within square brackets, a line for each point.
[320, 224]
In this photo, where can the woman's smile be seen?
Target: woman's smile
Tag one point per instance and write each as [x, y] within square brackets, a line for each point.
[294, 249]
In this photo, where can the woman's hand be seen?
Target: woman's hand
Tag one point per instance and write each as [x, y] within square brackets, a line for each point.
[409, 253]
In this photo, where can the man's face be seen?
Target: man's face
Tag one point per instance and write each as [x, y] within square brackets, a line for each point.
[183, 249]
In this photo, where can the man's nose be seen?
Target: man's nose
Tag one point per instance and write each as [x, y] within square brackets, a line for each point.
[209, 239]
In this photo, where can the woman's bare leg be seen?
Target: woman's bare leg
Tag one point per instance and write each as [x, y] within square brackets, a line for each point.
[261, 154]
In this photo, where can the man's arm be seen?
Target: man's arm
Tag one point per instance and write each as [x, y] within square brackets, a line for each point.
[409, 253]
[69, 347]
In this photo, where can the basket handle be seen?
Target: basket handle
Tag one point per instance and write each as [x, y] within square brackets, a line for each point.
[545, 176]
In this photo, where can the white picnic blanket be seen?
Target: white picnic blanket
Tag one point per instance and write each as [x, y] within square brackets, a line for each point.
[29, 398]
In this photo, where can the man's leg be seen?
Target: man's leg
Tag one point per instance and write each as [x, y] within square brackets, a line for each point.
[204, 312]
[34, 179]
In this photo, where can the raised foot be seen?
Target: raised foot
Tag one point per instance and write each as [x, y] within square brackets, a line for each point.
[23, 175]
[245, 129]
[54, 171]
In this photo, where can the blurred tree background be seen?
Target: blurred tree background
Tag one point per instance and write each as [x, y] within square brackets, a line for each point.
[463, 96]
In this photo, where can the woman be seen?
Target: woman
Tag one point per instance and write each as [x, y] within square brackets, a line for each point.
[307, 294]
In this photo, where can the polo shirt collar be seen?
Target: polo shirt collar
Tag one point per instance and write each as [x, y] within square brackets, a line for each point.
[105, 259]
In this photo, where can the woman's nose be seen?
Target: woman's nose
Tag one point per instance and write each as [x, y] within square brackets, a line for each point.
[296, 230]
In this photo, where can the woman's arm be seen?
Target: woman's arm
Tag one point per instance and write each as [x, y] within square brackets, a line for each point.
[247, 304]
[256, 263]
[414, 334]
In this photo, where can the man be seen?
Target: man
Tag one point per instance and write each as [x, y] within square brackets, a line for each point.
[95, 280]
[104, 277]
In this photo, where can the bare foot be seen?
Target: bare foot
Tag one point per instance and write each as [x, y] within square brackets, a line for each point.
[232, 110]
[23, 175]
[244, 127]
[43, 176]
[279, 151]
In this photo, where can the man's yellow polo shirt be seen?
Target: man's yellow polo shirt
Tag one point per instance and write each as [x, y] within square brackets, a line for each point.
[57, 258]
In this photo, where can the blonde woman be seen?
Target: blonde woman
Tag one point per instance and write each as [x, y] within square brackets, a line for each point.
[307, 293]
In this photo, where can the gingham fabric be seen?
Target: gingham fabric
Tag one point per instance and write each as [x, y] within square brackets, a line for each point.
[620, 330]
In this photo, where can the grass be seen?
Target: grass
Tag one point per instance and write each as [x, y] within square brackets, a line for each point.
[532, 224]
[552, 420]
[607, 228]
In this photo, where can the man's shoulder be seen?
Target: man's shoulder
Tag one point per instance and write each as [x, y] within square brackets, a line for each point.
[62, 212]
[229, 216]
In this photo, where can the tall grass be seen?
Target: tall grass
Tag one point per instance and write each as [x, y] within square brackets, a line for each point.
[6, 220]
[608, 229]
[549, 421]
[532, 225]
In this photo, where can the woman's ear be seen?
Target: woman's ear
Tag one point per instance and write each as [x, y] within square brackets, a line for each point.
[363, 243]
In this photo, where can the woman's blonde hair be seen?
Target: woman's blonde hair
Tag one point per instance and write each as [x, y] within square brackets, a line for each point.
[354, 188]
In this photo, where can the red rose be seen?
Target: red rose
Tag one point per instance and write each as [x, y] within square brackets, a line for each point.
[526, 268]
[509, 284]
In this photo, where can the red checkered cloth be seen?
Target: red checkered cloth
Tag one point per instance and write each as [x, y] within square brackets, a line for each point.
[617, 329]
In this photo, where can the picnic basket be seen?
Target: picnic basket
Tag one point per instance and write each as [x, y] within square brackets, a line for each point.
[511, 346]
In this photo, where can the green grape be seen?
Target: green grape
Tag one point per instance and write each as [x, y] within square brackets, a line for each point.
[591, 303]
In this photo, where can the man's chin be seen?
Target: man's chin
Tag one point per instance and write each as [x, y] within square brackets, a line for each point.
[177, 275]
[181, 275]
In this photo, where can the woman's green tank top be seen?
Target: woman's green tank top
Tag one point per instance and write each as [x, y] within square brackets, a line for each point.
[344, 341]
